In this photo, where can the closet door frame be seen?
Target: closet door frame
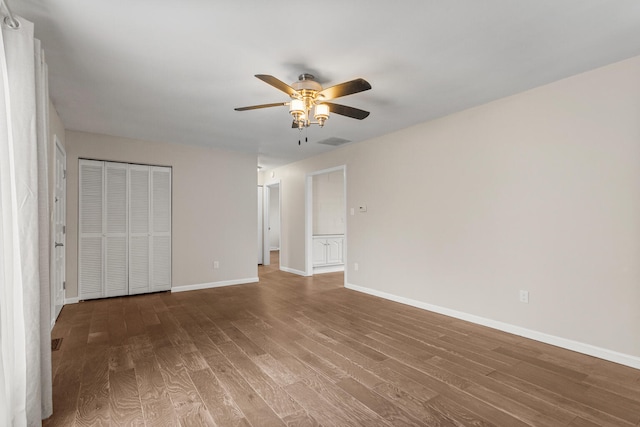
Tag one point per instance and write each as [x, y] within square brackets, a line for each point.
[154, 237]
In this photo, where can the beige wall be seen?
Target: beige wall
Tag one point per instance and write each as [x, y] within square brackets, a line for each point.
[213, 206]
[538, 192]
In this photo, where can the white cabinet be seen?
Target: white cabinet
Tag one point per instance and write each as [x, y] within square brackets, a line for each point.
[328, 250]
[124, 229]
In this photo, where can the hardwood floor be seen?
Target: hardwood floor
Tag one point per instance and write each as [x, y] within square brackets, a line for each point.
[305, 352]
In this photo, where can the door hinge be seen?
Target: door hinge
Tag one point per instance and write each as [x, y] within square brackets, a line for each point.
[64, 286]
[64, 229]
[64, 174]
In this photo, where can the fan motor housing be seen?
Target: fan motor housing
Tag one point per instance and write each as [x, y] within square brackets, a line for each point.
[306, 82]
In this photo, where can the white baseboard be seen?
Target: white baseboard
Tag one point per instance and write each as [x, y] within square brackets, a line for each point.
[73, 300]
[328, 269]
[294, 271]
[588, 349]
[214, 284]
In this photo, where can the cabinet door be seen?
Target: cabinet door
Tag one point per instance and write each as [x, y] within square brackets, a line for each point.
[319, 251]
[335, 250]
[139, 229]
[90, 230]
[115, 241]
[160, 229]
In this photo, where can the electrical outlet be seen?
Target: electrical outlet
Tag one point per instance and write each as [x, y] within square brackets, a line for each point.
[355, 266]
[524, 297]
[216, 264]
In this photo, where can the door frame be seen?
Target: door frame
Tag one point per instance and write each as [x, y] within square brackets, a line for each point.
[266, 194]
[308, 223]
[58, 150]
[261, 256]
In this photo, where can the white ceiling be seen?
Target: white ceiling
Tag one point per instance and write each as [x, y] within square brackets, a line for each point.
[173, 71]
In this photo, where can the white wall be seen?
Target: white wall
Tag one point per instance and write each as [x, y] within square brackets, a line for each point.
[328, 203]
[212, 220]
[539, 191]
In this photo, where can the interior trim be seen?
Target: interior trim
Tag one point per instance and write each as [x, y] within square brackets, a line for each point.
[588, 349]
[213, 284]
[294, 271]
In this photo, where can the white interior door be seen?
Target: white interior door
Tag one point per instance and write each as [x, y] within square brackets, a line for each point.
[139, 229]
[115, 241]
[260, 229]
[160, 229]
[59, 231]
[91, 230]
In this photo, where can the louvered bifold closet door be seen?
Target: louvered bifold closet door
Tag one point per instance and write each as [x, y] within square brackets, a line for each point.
[115, 270]
[90, 230]
[139, 229]
[160, 229]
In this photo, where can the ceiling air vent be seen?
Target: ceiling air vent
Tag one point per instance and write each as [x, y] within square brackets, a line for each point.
[334, 141]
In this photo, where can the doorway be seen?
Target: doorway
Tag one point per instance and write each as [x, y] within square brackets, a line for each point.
[271, 220]
[325, 221]
[59, 231]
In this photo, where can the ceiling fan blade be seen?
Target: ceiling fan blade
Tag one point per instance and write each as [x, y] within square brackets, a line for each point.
[343, 110]
[344, 89]
[255, 107]
[278, 84]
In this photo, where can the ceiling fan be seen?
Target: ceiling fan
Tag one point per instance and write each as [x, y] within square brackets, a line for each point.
[307, 94]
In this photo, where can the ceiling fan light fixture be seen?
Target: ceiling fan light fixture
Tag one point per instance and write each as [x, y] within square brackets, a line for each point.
[307, 94]
[297, 109]
[321, 113]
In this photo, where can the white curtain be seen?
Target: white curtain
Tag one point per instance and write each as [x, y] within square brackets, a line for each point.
[25, 363]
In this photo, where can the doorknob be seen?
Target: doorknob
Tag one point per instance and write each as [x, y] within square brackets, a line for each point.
[58, 244]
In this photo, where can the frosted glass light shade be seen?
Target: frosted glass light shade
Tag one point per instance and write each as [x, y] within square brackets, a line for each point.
[296, 107]
[322, 110]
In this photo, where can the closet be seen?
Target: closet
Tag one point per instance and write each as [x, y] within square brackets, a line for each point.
[124, 229]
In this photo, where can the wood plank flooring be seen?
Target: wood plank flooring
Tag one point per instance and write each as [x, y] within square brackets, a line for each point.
[302, 351]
